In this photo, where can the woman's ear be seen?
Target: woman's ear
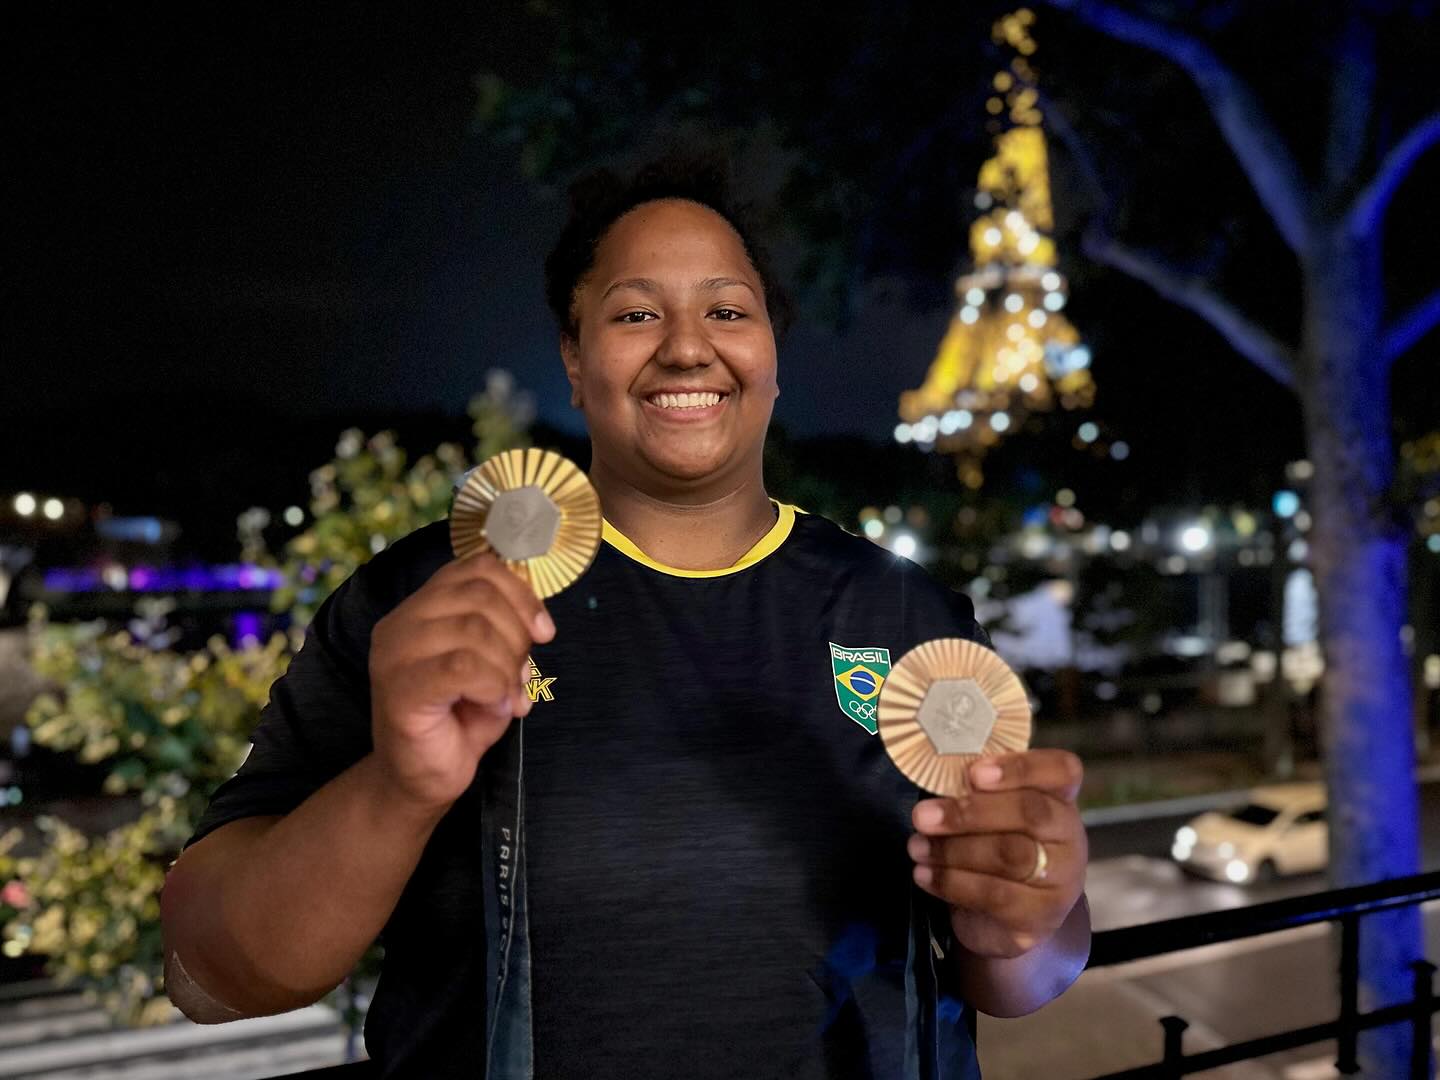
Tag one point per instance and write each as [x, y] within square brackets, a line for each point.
[570, 356]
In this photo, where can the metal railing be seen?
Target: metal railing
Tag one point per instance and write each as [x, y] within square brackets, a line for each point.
[1345, 906]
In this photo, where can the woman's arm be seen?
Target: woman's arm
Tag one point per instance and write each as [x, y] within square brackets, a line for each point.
[1017, 985]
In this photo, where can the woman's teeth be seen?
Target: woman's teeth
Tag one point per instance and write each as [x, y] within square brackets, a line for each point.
[685, 401]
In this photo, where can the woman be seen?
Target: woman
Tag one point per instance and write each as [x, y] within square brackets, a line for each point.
[692, 856]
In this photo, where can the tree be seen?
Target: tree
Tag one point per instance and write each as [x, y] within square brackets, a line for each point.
[838, 173]
[170, 727]
[1339, 370]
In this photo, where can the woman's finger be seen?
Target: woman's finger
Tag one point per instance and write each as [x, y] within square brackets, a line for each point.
[1012, 856]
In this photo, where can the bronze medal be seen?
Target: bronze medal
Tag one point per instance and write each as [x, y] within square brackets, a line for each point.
[946, 703]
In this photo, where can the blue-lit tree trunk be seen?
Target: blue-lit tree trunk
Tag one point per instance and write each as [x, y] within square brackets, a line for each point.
[1340, 372]
[1357, 554]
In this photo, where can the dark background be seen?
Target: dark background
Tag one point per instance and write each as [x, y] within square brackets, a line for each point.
[233, 236]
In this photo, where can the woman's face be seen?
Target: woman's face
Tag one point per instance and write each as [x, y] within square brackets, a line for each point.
[674, 367]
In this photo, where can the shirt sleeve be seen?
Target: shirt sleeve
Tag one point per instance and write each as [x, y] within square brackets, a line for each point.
[934, 610]
[317, 722]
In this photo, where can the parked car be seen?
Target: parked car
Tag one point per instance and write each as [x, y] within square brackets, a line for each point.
[1280, 829]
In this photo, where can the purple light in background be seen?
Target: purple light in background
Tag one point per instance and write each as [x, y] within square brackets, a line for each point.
[197, 578]
[73, 580]
[247, 628]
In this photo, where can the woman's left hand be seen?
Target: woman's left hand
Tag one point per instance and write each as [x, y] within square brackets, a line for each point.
[982, 853]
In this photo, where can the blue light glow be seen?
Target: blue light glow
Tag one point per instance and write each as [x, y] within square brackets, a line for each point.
[1286, 503]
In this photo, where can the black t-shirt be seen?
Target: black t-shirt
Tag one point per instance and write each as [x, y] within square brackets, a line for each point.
[715, 838]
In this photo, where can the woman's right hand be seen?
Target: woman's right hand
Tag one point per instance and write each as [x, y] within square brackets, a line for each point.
[448, 673]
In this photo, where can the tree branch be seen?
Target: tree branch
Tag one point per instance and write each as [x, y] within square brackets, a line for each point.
[1352, 96]
[1250, 340]
[1059, 123]
[1256, 143]
[1369, 207]
[1407, 330]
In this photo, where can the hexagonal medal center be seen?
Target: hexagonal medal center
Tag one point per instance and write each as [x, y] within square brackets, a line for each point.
[957, 716]
[522, 523]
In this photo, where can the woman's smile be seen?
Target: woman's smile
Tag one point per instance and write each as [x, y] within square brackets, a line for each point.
[682, 406]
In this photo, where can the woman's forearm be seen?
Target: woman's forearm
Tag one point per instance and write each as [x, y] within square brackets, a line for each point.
[276, 911]
[1015, 986]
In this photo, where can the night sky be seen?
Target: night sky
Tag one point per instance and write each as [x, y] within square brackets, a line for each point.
[232, 239]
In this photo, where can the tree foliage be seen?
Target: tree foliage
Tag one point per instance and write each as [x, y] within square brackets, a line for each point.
[171, 727]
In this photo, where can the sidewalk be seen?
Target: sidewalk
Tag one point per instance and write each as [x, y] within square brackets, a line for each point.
[1100, 1025]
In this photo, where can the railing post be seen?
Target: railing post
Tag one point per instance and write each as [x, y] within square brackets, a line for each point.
[1424, 1003]
[1172, 1065]
[1347, 1062]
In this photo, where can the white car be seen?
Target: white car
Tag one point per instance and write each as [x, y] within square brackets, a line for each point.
[1279, 829]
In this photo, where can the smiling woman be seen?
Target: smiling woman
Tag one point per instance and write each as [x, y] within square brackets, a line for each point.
[664, 303]
[676, 846]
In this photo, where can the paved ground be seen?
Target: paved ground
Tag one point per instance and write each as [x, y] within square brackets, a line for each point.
[58, 1036]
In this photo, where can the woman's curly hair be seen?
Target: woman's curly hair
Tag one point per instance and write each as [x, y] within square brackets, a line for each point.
[602, 196]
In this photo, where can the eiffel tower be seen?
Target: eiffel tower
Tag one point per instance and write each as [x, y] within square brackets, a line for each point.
[1009, 351]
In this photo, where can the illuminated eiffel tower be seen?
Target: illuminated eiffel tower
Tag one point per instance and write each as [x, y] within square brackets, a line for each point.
[1009, 351]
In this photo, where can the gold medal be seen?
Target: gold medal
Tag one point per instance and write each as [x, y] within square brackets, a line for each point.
[946, 703]
[536, 511]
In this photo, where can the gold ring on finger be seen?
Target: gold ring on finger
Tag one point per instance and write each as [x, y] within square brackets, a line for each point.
[1042, 864]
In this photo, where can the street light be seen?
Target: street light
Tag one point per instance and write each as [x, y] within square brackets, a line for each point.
[1285, 504]
[1195, 538]
[54, 509]
[903, 545]
[25, 504]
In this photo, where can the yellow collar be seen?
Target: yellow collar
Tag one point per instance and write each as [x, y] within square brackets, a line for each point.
[766, 545]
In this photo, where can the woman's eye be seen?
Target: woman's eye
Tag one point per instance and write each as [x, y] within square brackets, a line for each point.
[634, 316]
[728, 314]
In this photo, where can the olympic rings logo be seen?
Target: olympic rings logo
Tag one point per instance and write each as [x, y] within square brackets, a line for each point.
[863, 709]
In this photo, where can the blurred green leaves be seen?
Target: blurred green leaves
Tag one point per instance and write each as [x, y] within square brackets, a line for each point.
[170, 727]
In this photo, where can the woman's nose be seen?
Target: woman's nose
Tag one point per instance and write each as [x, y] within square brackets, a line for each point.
[685, 346]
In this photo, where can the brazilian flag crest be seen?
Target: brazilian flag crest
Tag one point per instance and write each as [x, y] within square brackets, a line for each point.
[859, 675]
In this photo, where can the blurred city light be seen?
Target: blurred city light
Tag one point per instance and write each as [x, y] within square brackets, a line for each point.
[1286, 503]
[54, 509]
[146, 530]
[194, 578]
[903, 545]
[25, 504]
[1195, 538]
